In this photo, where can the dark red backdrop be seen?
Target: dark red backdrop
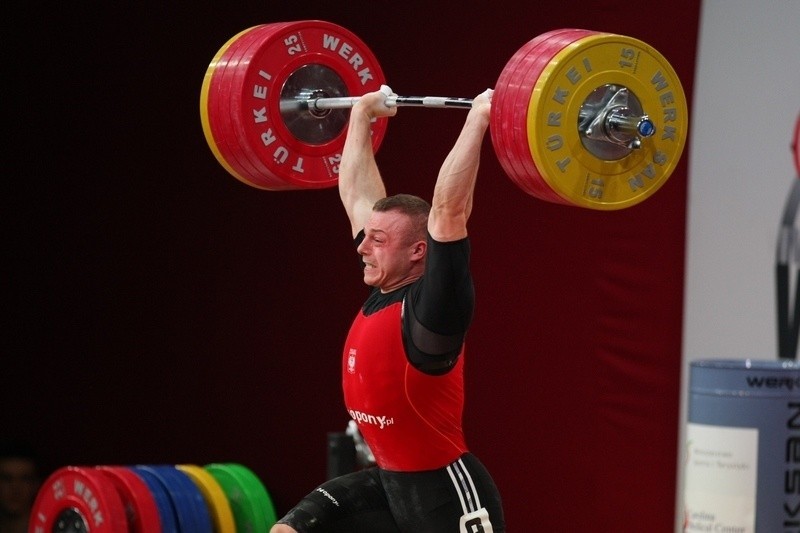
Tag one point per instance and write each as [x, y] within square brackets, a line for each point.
[163, 312]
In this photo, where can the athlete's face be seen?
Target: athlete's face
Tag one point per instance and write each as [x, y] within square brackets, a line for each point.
[391, 258]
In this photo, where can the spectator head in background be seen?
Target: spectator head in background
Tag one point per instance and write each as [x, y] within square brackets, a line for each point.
[21, 475]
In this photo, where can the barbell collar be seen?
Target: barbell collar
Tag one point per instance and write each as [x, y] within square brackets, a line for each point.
[618, 126]
[630, 125]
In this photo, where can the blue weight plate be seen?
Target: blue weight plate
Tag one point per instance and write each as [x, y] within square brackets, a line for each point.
[166, 511]
[190, 509]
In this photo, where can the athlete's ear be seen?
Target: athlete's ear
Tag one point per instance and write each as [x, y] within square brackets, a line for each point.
[418, 250]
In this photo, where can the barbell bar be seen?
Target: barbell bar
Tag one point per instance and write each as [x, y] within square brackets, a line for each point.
[612, 123]
[317, 105]
[578, 117]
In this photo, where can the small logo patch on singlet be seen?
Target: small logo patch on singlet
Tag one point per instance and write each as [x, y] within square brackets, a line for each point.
[351, 361]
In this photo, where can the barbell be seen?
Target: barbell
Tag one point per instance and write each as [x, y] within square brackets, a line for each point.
[579, 117]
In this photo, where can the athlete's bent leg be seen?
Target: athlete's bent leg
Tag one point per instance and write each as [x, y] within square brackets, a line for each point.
[352, 502]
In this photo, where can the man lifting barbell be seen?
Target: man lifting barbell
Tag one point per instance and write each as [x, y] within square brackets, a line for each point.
[402, 363]
[577, 117]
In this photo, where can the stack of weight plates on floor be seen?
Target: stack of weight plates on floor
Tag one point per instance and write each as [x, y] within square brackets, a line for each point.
[216, 498]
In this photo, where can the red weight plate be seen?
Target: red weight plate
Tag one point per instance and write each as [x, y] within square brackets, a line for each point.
[504, 122]
[140, 505]
[209, 104]
[514, 77]
[501, 121]
[222, 125]
[220, 110]
[253, 172]
[531, 179]
[79, 498]
[256, 113]
[257, 174]
[498, 116]
[261, 175]
[529, 69]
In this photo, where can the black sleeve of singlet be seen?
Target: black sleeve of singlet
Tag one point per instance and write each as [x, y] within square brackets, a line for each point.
[438, 309]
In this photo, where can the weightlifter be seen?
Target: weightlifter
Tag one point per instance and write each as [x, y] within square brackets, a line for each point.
[402, 363]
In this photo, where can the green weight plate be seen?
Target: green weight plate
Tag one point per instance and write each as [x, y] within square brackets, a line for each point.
[250, 502]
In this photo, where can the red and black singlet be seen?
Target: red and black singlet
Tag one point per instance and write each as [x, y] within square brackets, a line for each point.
[402, 364]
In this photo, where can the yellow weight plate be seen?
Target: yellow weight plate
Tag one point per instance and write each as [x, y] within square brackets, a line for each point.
[217, 502]
[572, 171]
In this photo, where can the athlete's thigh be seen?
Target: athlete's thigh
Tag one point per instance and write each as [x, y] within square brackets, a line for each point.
[459, 498]
[355, 502]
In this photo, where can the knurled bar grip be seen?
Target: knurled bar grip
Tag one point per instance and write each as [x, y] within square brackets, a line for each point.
[319, 104]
